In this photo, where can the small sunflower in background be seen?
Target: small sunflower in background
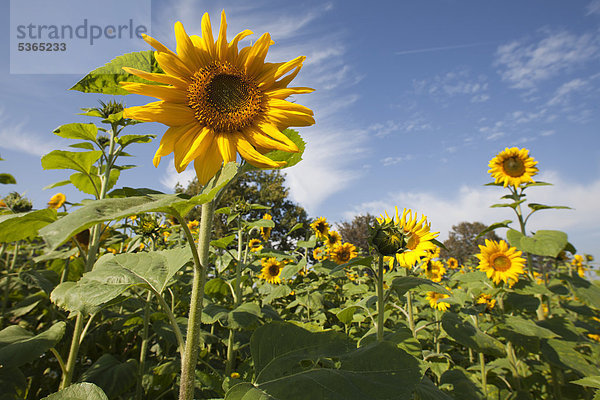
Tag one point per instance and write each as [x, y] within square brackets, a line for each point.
[57, 201]
[512, 167]
[265, 232]
[486, 299]
[321, 227]
[333, 238]
[435, 303]
[435, 270]
[218, 101]
[453, 263]
[271, 270]
[342, 253]
[255, 245]
[320, 253]
[500, 262]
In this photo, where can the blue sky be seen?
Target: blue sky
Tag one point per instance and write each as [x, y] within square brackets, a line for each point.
[412, 100]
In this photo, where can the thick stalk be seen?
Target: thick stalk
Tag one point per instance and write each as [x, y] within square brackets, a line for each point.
[483, 375]
[380, 302]
[411, 318]
[237, 301]
[67, 377]
[143, 348]
[190, 357]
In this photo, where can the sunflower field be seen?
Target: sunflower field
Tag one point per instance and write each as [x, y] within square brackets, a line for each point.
[123, 296]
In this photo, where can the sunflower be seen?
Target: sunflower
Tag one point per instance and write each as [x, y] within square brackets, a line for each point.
[321, 227]
[418, 237]
[577, 260]
[500, 262]
[320, 253]
[218, 101]
[342, 253]
[265, 232]
[434, 270]
[57, 201]
[332, 239]
[486, 299]
[513, 167]
[271, 270]
[255, 245]
[453, 263]
[434, 301]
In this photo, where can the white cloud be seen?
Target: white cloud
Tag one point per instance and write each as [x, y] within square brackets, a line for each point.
[15, 137]
[415, 123]
[388, 161]
[593, 7]
[170, 177]
[454, 83]
[472, 204]
[523, 64]
[563, 93]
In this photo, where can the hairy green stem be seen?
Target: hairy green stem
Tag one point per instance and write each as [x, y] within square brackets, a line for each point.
[67, 376]
[380, 300]
[190, 357]
[143, 348]
[237, 301]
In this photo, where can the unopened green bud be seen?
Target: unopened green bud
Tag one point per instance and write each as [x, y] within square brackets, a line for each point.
[386, 238]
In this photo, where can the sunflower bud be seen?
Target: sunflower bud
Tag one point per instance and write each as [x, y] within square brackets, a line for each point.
[387, 238]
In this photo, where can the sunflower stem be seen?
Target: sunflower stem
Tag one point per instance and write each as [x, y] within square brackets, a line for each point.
[192, 342]
[380, 299]
[143, 348]
[237, 301]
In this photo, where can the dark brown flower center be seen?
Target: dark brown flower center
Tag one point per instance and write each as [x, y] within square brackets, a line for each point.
[514, 166]
[500, 262]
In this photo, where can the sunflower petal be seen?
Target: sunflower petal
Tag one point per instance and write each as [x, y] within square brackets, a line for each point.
[286, 92]
[182, 146]
[221, 45]
[199, 146]
[257, 54]
[286, 105]
[233, 45]
[284, 118]
[250, 154]
[173, 65]
[156, 44]
[167, 142]
[160, 78]
[226, 147]
[262, 141]
[207, 36]
[159, 111]
[167, 93]
[274, 133]
[185, 48]
[207, 166]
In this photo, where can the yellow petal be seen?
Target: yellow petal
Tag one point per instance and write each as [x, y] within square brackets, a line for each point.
[207, 36]
[182, 146]
[250, 154]
[160, 78]
[264, 143]
[166, 93]
[227, 147]
[286, 92]
[283, 82]
[170, 114]
[232, 50]
[208, 165]
[167, 143]
[274, 133]
[257, 54]
[173, 65]
[185, 48]
[199, 145]
[284, 118]
[221, 45]
[156, 44]
[286, 105]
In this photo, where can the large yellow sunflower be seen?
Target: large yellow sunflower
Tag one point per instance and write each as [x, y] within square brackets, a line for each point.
[332, 239]
[218, 101]
[500, 262]
[418, 236]
[513, 167]
[271, 270]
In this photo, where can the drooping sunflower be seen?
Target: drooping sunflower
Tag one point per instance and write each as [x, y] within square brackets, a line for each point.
[342, 253]
[265, 232]
[418, 234]
[255, 245]
[332, 239]
[321, 227]
[434, 301]
[219, 101]
[271, 270]
[57, 201]
[500, 262]
[452, 263]
[512, 167]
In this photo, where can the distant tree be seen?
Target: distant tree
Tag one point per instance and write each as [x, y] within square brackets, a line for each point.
[461, 243]
[265, 188]
[356, 231]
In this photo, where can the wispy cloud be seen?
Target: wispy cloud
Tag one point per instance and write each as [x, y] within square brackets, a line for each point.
[524, 63]
[441, 48]
[593, 7]
[565, 90]
[414, 123]
[15, 137]
[454, 83]
[388, 161]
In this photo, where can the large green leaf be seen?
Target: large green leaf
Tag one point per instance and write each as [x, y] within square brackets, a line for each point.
[291, 159]
[294, 364]
[91, 183]
[77, 131]
[94, 212]
[526, 327]
[111, 375]
[403, 284]
[114, 274]
[79, 391]
[585, 291]
[106, 79]
[25, 225]
[81, 161]
[468, 335]
[543, 243]
[7, 179]
[563, 354]
[19, 347]
[588, 381]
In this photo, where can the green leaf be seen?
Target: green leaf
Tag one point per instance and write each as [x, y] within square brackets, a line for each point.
[511, 205]
[426, 390]
[588, 381]
[244, 316]
[526, 327]
[294, 364]
[503, 224]
[544, 243]
[463, 387]
[57, 184]
[216, 287]
[77, 131]
[347, 314]
[514, 238]
[19, 347]
[403, 284]
[291, 159]
[223, 242]
[299, 225]
[79, 161]
[261, 223]
[364, 261]
[536, 207]
[467, 335]
[7, 179]
[585, 291]
[79, 391]
[94, 212]
[26, 225]
[83, 145]
[111, 375]
[310, 243]
[126, 140]
[91, 184]
[106, 79]
[114, 274]
[563, 354]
